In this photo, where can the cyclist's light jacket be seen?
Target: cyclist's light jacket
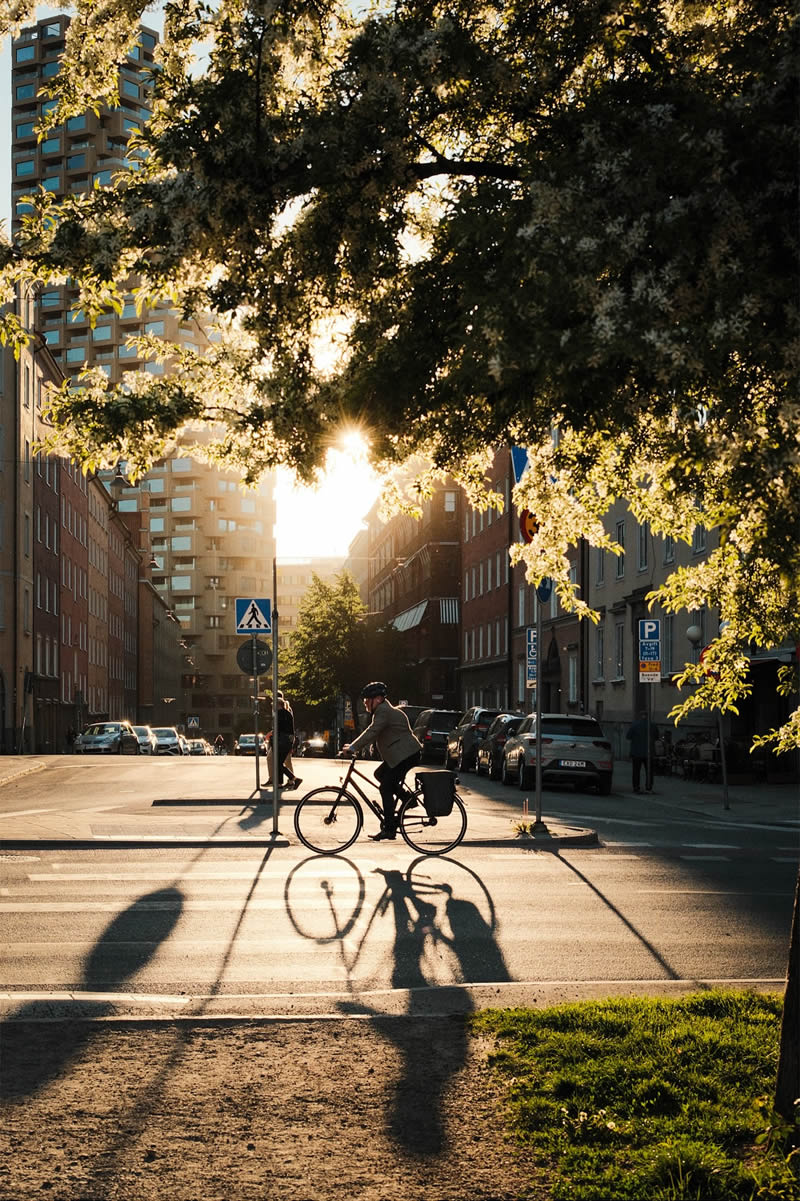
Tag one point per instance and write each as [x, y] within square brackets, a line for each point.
[391, 734]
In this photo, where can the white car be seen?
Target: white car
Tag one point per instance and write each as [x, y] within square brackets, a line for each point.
[148, 743]
[168, 740]
[574, 751]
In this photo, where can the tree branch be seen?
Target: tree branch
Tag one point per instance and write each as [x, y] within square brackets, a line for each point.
[446, 166]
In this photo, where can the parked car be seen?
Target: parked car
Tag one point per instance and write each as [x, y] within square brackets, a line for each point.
[197, 746]
[107, 738]
[245, 744]
[168, 740]
[432, 727]
[148, 743]
[489, 757]
[462, 741]
[314, 748]
[574, 751]
[412, 712]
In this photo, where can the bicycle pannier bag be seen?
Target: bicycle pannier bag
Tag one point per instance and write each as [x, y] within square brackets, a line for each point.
[438, 790]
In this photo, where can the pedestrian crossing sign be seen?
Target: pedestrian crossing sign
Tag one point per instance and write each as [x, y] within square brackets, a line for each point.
[253, 616]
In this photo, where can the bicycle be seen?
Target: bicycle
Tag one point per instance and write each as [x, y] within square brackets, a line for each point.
[329, 820]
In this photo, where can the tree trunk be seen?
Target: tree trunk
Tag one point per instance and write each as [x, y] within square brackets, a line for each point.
[787, 1087]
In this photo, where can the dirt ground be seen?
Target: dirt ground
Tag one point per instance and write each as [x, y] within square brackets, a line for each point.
[244, 1111]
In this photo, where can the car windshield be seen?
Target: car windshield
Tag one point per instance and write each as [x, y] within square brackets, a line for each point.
[104, 729]
[443, 719]
[164, 732]
[140, 729]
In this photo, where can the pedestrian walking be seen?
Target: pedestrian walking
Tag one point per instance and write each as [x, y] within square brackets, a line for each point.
[285, 745]
[641, 736]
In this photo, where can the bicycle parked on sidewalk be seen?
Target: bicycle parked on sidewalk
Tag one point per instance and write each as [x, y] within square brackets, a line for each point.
[432, 818]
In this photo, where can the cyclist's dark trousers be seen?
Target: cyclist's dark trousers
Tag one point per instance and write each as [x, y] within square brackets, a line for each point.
[389, 781]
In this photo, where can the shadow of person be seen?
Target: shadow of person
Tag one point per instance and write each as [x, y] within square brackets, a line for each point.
[474, 944]
[127, 944]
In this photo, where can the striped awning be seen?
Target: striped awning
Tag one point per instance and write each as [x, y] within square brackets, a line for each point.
[411, 617]
[448, 610]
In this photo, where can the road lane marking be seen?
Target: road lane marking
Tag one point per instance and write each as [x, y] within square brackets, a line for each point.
[26, 812]
[713, 846]
[706, 858]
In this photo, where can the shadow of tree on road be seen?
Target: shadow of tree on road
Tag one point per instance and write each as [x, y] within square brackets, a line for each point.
[126, 945]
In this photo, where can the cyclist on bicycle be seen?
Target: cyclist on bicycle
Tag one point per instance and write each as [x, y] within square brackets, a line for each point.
[398, 748]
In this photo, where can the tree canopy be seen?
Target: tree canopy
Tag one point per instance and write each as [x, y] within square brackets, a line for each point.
[335, 648]
[571, 226]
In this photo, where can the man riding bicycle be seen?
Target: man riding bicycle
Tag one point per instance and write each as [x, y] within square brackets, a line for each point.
[398, 748]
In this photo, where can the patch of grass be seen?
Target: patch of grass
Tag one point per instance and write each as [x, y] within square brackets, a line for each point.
[649, 1099]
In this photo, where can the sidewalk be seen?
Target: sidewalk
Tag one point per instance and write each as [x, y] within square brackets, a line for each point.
[226, 813]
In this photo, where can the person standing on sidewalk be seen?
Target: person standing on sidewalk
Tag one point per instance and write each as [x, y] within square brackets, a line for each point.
[640, 736]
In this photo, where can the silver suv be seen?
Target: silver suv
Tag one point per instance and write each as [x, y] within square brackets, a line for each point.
[462, 742]
[574, 751]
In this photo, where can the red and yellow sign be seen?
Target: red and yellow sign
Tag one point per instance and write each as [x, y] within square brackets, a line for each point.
[528, 525]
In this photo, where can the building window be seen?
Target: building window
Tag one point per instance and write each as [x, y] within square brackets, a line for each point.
[619, 535]
[449, 502]
[572, 664]
[699, 540]
[644, 541]
[669, 549]
[668, 645]
[599, 565]
[619, 650]
[600, 652]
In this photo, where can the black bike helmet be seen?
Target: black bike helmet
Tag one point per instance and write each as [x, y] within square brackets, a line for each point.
[376, 688]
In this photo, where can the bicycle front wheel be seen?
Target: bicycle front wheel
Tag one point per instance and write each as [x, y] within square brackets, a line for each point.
[328, 820]
[432, 835]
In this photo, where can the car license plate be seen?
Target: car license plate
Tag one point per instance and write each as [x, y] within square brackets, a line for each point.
[573, 762]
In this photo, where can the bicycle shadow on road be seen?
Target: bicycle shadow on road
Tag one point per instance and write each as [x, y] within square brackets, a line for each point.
[126, 945]
[433, 1050]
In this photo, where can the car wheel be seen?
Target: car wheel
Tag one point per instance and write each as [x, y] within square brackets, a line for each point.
[526, 776]
[505, 775]
[492, 769]
[462, 762]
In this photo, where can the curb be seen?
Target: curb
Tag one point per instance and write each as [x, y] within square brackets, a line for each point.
[553, 843]
[24, 771]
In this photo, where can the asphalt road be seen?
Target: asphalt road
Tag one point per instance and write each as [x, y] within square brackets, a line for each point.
[666, 902]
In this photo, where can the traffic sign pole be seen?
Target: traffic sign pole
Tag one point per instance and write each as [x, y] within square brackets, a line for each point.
[277, 771]
[255, 710]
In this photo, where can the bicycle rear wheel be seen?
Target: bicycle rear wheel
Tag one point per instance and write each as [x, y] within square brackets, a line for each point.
[432, 835]
[328, 820]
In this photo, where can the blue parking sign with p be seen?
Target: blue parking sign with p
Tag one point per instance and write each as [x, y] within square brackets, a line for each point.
[650, 629]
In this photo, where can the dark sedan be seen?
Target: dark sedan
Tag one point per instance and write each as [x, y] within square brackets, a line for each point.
[432, 727]
[490, 749]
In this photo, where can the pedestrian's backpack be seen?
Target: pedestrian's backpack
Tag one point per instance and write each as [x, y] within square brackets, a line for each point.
[438, 791]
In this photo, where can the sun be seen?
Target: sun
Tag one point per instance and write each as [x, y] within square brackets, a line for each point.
[321, 522]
